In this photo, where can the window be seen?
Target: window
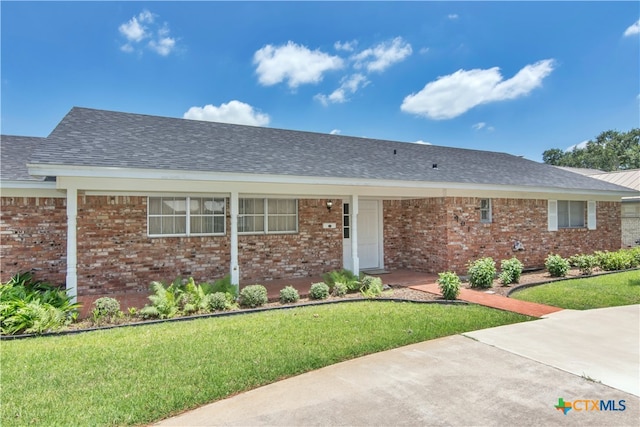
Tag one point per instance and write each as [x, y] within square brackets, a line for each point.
[186, 216]
[258, 216]
[346, 224]
[571, 213]
[485, 210]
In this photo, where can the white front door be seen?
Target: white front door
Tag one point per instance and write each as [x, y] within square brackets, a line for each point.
[369, 234]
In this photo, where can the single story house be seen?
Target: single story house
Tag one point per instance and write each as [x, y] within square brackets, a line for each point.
[110, 201]
[630, 205]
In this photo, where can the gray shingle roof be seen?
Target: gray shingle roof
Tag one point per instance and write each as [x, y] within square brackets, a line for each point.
[15, 151]
[97, 138]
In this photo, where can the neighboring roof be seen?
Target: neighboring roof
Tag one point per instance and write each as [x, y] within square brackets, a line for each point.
[106, 139]
[628, 178]
[15, 151]
[581, 171]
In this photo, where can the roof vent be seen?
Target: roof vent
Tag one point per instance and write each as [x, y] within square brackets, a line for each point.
[434, 166]
[395, 152]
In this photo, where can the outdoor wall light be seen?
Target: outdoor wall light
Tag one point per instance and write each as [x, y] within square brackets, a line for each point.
[329, 205]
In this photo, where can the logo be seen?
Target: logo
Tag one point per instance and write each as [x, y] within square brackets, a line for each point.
[590, 405]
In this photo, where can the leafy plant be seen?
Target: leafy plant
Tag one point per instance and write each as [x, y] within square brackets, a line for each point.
[511, 270]
[253, 296]
[482, 272]
[165, 301]
[342, 276]
[586, 263]
[556, 265]
[371, 287]
[339, 289]
[319, 290]
[31, 306]
[222, 285]
[449, 284]
[289, 294]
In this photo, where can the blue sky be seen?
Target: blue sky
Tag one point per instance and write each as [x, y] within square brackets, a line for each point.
[501, 76]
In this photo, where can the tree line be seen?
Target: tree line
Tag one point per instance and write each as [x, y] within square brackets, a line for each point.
[610, 151]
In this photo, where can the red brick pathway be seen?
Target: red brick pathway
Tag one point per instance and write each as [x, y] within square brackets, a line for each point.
[494, 301]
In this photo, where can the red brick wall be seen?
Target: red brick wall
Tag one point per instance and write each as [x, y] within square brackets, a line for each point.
[424, 235]
[310, 252]
[34, 236]
[115, 255]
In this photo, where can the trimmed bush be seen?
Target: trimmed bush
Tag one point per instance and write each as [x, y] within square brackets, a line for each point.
[339, 289]
[556, 265]
[612, 261]
[511, 270]
[319, 290]
[218, 301]
[253, 296]
[482, 272]
[449, 284]
[371, 287]
[106, 308]
[289, 294]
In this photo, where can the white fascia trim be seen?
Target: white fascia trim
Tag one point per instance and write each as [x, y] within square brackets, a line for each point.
[131, 173]
[38, 185]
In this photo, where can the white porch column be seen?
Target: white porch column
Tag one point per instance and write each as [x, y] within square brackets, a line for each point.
[355, 261]
[72, 244]
[235, 269]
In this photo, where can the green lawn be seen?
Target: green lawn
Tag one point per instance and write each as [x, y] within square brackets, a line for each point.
[139, 375]
[582, 294]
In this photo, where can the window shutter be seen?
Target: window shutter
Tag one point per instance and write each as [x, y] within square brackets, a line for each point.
[552, 217]
[591, 215]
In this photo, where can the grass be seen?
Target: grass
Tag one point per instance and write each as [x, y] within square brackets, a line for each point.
[582, 294]
[132, 376]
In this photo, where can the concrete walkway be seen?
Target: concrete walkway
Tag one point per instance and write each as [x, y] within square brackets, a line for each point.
[510, 375]
[494, 301]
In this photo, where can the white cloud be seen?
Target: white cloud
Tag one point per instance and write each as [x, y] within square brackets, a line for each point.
[383, 55]
[233, 112]
[453, 16]
[421, 142]
[452, 95]
[348, 85]
[424, 50]
[633, 29]
[335, 132]
[294, 63]
[346, 46]
[479, 125]
[579, 146]
[135, 32]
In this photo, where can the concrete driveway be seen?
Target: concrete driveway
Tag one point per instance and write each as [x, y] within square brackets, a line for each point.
[510, 375]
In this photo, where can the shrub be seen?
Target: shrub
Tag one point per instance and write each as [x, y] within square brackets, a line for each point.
[371, 287]
[253, 296]
[556, 265]
[585, 263]
[219, 301]
[342, 276]
[165, 301]
[319, 290]
[449, 284]
[511, 269]
[635, 256]
[339, 289]
[106, 308]
[223, 285]
[482, 272]
[289, 294]
[611, 261]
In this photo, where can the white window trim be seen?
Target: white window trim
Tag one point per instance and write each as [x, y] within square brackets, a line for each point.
[552, 217]
[266, 217]
[188, 217]
[489, 212]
